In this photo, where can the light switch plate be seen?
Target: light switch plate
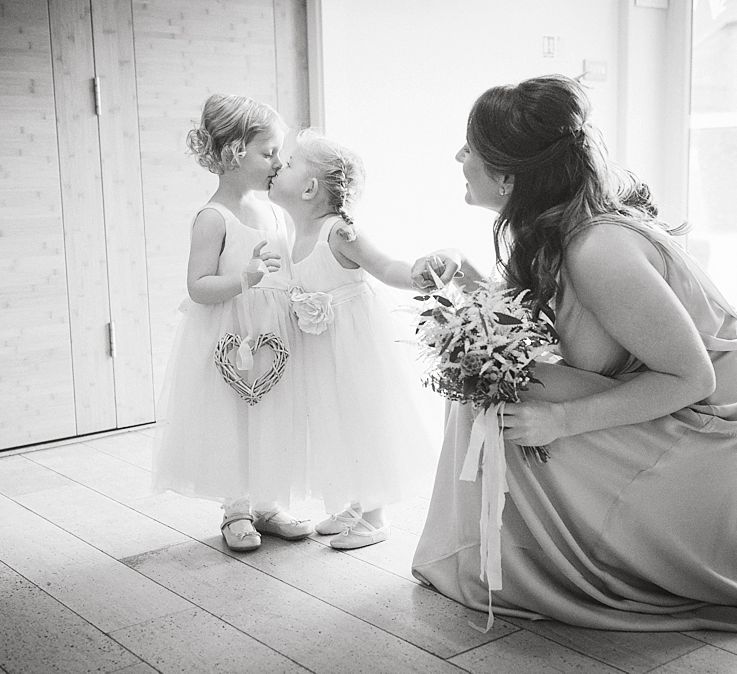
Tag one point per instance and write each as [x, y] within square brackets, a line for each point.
[653, 4]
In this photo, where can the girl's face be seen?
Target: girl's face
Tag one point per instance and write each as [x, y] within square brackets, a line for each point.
[262, 159]
[291, 181]
[482, 189]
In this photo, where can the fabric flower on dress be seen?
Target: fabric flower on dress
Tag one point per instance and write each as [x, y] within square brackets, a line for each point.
[314, 311]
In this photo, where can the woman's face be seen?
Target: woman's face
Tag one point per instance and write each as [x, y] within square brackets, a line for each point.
[482, 189]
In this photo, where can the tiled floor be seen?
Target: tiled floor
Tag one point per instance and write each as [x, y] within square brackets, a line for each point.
[99, 574]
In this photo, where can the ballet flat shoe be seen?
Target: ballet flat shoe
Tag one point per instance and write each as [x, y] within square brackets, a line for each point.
[245, 542]
[293, 530]
[352, 538]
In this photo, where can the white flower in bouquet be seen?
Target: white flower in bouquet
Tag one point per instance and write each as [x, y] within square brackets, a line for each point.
[481, 346]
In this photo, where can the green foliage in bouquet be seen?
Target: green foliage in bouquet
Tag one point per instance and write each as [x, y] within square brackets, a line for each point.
[481, 346]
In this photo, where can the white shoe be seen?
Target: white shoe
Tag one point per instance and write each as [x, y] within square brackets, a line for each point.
[282, 524]
[354, 537]
[336, 524]
[240, 541]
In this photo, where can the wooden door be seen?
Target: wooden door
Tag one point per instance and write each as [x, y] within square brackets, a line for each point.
[36, 379]
[72, 244]
[78, 173]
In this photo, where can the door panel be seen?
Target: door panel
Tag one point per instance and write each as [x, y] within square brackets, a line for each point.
[125, 232]
[36, 385]
[82, 204]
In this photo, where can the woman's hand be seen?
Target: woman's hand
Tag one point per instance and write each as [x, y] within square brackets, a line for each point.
[533, 424]
[441, 265]
[259, 265]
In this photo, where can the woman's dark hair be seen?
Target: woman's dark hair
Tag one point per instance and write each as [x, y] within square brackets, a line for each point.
[538, 132]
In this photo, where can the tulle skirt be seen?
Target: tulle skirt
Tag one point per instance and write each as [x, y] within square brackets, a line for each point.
[371, 438]
[211, 443]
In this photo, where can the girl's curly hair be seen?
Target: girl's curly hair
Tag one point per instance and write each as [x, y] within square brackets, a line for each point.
[228, 124]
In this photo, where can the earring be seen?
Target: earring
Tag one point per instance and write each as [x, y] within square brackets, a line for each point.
[502, 191]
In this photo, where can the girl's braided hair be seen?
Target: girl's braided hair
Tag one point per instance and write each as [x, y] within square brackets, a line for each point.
[340, 172]
[228, 124]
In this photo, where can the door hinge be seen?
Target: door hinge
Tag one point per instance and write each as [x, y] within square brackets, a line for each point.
[111, 338]
[98, 99]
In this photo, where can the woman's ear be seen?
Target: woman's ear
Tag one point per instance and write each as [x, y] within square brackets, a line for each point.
[310, 191]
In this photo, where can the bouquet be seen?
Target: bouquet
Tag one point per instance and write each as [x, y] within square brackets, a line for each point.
[481, 346]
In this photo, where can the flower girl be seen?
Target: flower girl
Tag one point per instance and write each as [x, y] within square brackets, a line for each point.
[213, 445]
[368, 443]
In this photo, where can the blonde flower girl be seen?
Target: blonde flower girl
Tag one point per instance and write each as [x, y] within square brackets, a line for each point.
[213, 445]
[369, 446]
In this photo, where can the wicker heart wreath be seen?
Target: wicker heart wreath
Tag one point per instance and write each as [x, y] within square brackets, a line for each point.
[251, 393]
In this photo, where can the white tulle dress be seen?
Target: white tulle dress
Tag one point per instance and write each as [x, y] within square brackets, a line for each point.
[369, 440]
[212, 444]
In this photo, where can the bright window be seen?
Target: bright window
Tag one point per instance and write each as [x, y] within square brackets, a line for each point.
[712, 178]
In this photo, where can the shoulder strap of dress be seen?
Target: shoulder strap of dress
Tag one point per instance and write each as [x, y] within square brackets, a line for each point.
[327, 227]
[278, 218]
[216, 207]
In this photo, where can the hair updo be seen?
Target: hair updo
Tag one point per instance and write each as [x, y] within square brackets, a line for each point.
[538, 131]
[227, 125]
[339, 171]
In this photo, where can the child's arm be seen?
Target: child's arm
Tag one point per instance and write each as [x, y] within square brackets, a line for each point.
[363, 253]
[204, 284]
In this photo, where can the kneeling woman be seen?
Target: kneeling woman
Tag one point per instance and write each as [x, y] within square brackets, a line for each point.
[632, 524]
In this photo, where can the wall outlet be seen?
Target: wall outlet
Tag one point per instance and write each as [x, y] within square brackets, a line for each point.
[653, 4]
[550, 46]
[594, 71]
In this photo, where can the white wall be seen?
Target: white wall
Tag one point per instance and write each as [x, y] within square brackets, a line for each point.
[654, 91]
[399, 77]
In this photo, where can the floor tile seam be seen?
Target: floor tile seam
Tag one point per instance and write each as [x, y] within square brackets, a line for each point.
[499, 638]
[580, 652]
[73, 611]
[115, 456]
[338, 608]
[109, 556]
[365, 561]
[687, 653]
[76, 481]
[94, 547]
[129, 505]
[197, 607]
[709, 643]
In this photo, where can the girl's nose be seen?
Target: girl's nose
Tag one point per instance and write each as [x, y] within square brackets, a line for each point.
[461, 154]
[277, 163]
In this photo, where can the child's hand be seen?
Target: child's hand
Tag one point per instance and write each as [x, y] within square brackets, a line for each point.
[259, 265]
[436, 270]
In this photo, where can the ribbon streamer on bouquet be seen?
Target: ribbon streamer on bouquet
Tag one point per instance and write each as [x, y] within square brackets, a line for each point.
[244, 355]
[486, 452]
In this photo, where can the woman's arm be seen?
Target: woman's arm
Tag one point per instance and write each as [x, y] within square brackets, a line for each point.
[615, 274]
